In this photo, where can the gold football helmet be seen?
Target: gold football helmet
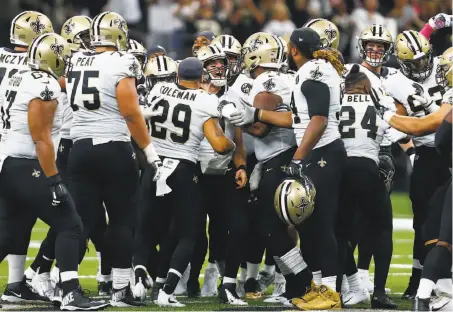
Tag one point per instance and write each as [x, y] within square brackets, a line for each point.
[76, 31]
[213, 73]
[49, 53]
[28, 25]
[327, 31]
[444, 70]
[294, 200]
[264, 50]
[139, 51]
[109, 29]
[414, 54]
[232, 48]
[160, 69]
[375, 34]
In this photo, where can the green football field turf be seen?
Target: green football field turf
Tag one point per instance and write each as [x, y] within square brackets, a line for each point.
[397, 281]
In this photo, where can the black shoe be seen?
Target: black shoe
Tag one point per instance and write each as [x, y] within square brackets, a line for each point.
[76, 300]
[383, 302]
[155, 291]
[21, 291]
[105, 288]
[193, 289]
[57, 295]
[123, 298]
[411, 290]
[252, 289]
[141, 273]
[420, 304]
[228, 295]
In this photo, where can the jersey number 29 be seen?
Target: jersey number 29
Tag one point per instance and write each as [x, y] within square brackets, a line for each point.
[161, 133]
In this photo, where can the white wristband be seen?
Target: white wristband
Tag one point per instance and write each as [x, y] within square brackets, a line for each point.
[150, 153]
[387, 116]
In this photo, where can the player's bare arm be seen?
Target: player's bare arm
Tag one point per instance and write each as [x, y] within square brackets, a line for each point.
[266, 101]
[216, 137]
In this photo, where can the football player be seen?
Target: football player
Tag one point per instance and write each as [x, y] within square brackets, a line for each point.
[327, 31]
[414, 54]
[139, 51]
[103, 165]
[201, 40]
[28, 145]
[183, 115]
[25, 27]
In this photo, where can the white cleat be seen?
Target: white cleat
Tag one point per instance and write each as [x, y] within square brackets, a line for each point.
[368, 284]
[240, 290]
[43, 285]
[209, 288]
[441, 304]
[164, 300]
[355, 297]
[279, 289]
[181, 288]
[139, 290]
[279, 299]
[227, 297]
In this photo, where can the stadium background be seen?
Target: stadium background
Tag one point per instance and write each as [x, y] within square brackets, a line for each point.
[173, 24]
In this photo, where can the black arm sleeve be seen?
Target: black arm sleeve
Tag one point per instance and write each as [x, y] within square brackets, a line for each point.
[444, 138]
[318, 97]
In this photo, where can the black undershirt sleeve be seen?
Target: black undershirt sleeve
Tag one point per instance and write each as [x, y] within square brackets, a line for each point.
[443, 139]
[317, 95]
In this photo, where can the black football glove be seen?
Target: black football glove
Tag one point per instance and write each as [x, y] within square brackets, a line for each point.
[294, 169]
[60, 193]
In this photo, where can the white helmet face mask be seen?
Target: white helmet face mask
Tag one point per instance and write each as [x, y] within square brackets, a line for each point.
[217, 70]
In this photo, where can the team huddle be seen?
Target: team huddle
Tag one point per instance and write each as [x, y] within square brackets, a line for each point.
[284, 146]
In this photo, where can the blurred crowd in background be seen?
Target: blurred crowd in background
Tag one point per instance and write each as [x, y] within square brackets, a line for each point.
[173, 24]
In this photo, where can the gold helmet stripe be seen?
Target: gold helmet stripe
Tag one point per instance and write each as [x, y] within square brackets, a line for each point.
[34, 46]
[283, 200]
[308, 24]
[11, 32]
[412, 40]
[97, 24]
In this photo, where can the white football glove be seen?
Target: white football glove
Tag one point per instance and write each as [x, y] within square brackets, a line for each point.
[440, 21]
[226, 108]
[394, 135]
[244, 116]
[153, 159]
[425, 101]
[255, 177]
[149, 112]
[384, 104]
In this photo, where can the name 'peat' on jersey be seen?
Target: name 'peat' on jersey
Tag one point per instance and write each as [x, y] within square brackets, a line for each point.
[322, 71]
[22, 88]
[278, 139]
[360, 127]
[91, 88]
[179, 128]
[400, 87]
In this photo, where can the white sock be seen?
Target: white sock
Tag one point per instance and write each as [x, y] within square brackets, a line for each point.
[253, 269]
[444, 286]
[243, 274]
[161, 280]
[425, 288]
[29, 273]
[269, 269]
[330, 281]
[105, 278]
[355, 283]
[68, 275]
[279, 278]
[317, 277]
[44, 276]
[344, 284]
[220, 267]
[16, 267]
[417, 265]
[211, 266]
[364, 274]
[229, 280]
[121, 278]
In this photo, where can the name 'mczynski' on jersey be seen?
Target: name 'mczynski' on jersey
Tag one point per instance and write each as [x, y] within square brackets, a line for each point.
[360, 127]
[178, 129]
[22, 88]
[278, 139]
[91, 89]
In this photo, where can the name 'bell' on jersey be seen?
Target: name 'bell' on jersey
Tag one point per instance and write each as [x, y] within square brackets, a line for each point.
[360, 127]
[179, 128]
[278, 139]
[400, 87]
[323, 71]
[22, 88]
[91, 88]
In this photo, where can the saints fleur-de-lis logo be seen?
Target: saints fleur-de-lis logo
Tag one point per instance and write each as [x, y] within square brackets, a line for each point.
[315, 74]
[121, 24]
[37, 26]
[69, 27]
[57, 48]
[269, 85]
[46, 95]
[303, 205]
[254, 44]
[330, 33]
[134, 68]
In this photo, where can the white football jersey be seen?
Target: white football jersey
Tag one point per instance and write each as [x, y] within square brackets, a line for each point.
[238, 94]
[91, 89]
[278, 139]
[448, 97]
[360, 127]
[400, 87]
[322, 71]
[178, 131]
[67, 116]
[22, 88]
[376, 83]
